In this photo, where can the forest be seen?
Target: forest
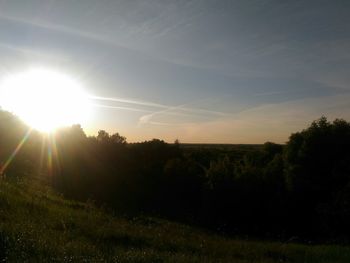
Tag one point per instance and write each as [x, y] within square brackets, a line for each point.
[299, 190]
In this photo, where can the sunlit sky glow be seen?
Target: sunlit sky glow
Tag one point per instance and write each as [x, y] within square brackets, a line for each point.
[43, 99]
[230, 71]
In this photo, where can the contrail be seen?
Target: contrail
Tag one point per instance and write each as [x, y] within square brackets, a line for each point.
[147, 118]
[203, 111]
[129, 101]
[165, 108]
[137, 110]
[119, 107]
[194, 112]
[180, 110]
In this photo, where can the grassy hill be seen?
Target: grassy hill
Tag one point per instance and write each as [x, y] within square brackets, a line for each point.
[39, 225]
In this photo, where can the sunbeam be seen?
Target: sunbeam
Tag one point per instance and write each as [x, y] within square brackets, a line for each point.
[15, 152]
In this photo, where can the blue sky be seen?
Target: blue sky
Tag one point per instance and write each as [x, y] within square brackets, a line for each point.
[200, 71]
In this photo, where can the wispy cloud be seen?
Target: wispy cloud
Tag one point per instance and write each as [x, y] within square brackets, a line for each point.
[59, 28]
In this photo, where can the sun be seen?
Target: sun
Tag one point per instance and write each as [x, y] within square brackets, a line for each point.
[44, 99]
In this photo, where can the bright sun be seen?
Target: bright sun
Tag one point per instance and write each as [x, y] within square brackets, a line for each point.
[44, 99]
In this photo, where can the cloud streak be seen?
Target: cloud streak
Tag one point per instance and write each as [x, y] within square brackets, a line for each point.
[180, 110]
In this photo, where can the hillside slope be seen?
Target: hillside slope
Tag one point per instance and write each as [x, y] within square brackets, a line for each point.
[38, 225]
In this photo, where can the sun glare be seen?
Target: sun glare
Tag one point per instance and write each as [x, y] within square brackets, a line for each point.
[44, 99]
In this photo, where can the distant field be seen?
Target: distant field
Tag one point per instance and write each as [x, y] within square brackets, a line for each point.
[246, 147]
[38, 225]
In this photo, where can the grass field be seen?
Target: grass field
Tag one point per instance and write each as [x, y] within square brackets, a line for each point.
[38, 225]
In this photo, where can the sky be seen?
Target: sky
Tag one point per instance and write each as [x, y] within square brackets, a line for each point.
[200, 71]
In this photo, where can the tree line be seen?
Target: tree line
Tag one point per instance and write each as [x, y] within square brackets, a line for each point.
[299, 189]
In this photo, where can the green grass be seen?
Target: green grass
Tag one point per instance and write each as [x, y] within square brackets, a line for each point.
[38, 225]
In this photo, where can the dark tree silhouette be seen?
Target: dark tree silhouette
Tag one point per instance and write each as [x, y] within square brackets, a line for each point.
[298, 189]
[318, 171]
